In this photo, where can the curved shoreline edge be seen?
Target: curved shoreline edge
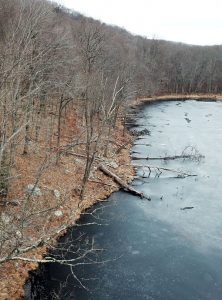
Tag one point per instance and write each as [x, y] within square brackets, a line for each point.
[178, 97]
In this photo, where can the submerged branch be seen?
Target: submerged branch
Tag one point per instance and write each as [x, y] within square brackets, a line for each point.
[181, 174]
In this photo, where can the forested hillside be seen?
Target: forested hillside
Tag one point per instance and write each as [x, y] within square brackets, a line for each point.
[65, 84]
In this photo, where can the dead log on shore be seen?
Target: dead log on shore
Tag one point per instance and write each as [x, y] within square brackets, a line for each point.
[124, 185]
[81, 155]
[102, 183]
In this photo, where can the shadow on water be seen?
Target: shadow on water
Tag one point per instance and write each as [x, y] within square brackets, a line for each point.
[152, 250]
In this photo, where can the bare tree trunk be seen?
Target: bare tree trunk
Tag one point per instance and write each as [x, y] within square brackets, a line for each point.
[59, 128]
[107, 141]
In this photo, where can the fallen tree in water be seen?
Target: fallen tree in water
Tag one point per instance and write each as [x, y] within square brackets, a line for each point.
[158, 170]
[189, 153]
[124, 185]
[192, 157]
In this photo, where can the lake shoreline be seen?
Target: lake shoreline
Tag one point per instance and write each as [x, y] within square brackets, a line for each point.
[16, 291]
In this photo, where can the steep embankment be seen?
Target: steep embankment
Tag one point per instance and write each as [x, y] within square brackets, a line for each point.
[63, 180]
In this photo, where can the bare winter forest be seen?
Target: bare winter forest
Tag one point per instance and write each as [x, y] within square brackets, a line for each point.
[65, 84]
